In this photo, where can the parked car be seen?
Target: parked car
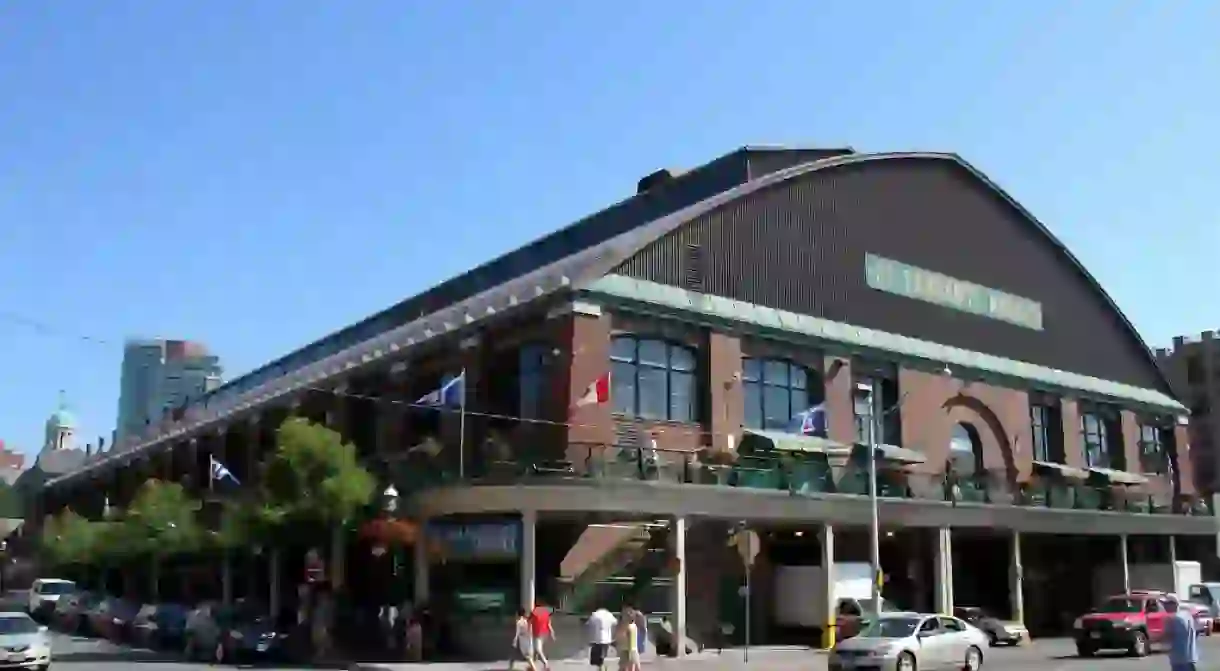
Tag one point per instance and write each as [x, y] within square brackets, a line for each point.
[111, 617]
[999, 632]
[24, 644]
[1131, 622]
[910, 641]
[1207, 594]
[160, 625]
[71, 611]
[221, 633]
[45, 593]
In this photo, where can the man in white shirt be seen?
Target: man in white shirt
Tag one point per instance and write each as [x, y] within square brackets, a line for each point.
[601, 636]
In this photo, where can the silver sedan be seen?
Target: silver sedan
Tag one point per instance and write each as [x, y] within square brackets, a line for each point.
[910, 641]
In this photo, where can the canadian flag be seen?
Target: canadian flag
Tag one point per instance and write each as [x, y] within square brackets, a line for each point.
[596, 393]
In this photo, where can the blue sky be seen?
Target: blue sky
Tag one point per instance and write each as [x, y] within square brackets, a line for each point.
[256, 174]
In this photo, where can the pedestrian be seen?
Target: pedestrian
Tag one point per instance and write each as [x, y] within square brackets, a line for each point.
[641, 627]
[413, 639]
[523, 642]
[601, 636]
[626, 641]
[540, 626]
[1183, 636]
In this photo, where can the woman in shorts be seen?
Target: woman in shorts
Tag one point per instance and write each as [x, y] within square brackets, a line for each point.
[523, 642]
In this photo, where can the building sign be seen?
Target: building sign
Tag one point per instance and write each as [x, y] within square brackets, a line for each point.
[901, 279]
[479, 541]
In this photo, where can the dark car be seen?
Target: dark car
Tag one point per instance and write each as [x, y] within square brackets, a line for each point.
[112, 617]
[160, 625]
[999, 632]
[71, 612]
[221, 633]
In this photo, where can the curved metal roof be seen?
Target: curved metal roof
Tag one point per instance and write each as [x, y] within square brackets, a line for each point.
[574, 271]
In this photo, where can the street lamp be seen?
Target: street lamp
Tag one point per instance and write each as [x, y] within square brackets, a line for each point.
[875, 415]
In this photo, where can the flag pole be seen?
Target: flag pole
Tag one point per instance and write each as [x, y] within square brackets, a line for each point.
[462, 430]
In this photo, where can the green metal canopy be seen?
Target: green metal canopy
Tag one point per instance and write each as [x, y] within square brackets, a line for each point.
[1060, 470]
[763, 441]
[1110, 476]
[890, 453]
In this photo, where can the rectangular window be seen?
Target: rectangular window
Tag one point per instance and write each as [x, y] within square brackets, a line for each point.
[1095, 439]
[875, 401]
[1154, 439]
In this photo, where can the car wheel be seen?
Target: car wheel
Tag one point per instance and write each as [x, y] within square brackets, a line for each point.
[1139, 645]
[1084, 650]
[906, 662]
[992, 640]
[974, 659]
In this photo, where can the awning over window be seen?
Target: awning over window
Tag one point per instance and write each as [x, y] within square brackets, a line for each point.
[762, 441]
[1109, 476]
[890, 453]
[1059, 470]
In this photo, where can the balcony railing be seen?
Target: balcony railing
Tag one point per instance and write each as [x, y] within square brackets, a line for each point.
[800, 474]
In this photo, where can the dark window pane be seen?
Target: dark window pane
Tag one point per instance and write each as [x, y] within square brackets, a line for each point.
[622, 348]
[654, 353]
[777, 413]
[622, 391]
[530, 395]
[653, 393]
[681, 397]
[752, 396]
[799, 399]
[681, 358]
[799, 378]
[751, 370]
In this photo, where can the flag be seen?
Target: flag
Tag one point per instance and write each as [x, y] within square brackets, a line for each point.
[222, 474]
[452, 392]
[810, 422]
[597, 392]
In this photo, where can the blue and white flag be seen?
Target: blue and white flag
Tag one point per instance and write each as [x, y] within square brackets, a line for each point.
[811, 422]
[222, 474]
[451, 393]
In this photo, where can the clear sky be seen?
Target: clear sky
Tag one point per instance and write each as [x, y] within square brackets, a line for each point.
[257, 173]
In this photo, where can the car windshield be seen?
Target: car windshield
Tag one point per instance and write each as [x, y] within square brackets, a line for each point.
[1200, 599]
[1121, 604]
[12, 624]
[891, 627]
[58, 588]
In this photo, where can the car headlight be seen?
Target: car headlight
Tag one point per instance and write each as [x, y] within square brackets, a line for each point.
[236, 635]
[1078, 623]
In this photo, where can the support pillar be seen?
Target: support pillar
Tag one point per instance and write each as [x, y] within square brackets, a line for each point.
[1122, 560]
[1178, 588]
[827, 542]
[421, 564]
[273, 579]
[1016, 577]
[678, 608]
[226, 580]
[529, 558]
[944, 570]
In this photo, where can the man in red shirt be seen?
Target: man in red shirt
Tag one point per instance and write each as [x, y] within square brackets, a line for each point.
[540, 628]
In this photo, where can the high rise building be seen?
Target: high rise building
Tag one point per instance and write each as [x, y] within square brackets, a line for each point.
[159, 375]
[1192, 367]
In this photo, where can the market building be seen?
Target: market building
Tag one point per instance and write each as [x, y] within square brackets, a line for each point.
[629, 386]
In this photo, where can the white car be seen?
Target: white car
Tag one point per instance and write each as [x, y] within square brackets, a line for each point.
[911, 641]
[23, 643]
[45, 593]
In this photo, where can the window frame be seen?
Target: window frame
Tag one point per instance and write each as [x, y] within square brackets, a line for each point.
[1151, 433]
[533, 370]
[690, 373]
[1040, 426]
[1100, 438]
[754, 390]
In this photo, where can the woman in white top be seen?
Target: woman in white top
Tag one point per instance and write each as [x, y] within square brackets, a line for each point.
[523, 643]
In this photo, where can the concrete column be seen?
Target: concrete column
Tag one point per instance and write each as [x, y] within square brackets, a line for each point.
[1122, 560]
[944, 570]
[678, 608]
[827, 541]
[1016, 579]
[273, 579]
[226, 579]
[529, 558]
[421, 564]
[338, 557]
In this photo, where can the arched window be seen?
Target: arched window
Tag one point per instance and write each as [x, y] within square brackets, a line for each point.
[653, 379]
[775, 391]
[966, 449]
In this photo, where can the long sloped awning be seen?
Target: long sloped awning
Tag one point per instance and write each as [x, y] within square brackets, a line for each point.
[764, 441]
[1110, 476]
[1060, 471]
[889, 453]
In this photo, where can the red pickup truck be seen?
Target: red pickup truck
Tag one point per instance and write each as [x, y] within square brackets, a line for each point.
[1132, 622]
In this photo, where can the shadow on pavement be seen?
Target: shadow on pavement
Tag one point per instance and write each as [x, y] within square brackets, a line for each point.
[133, 656]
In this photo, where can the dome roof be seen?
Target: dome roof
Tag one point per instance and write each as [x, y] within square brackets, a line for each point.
[62, 418]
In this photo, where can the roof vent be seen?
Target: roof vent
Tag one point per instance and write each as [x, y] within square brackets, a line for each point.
[654, 180]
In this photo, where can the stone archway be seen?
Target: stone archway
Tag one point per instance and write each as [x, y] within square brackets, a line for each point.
[988, 422]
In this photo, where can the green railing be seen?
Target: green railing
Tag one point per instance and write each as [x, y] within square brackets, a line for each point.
[801, 474]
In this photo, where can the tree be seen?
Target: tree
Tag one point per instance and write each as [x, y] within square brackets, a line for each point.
[313, 477]
[162, 520]
[69, 539]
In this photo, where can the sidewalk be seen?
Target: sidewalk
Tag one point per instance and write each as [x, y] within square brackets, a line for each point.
[777, 658]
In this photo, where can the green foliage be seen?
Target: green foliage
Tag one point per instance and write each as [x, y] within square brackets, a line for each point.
[162, 520]
[243, 523]
[68, 538]
[11, 503]
[313, 477]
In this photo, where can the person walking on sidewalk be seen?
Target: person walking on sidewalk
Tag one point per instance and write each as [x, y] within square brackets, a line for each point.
[523, 643]
[601, 636]
[1183, 637]
[540, 625]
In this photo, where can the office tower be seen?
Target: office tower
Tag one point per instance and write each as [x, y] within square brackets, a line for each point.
[157, 376]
